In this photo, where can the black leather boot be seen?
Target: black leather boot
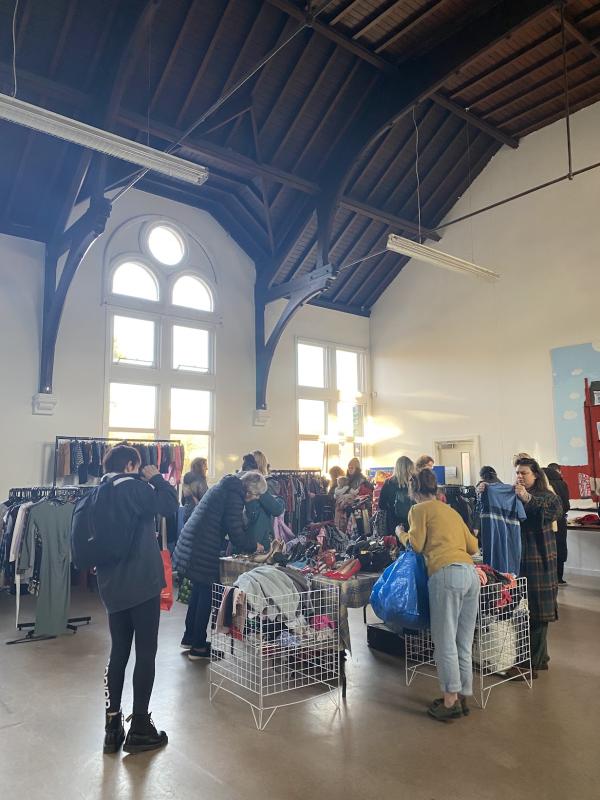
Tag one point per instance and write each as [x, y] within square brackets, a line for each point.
[114, 733]
[143, 735]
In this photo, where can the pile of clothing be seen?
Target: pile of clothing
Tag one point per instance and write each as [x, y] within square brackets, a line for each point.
[274, 605]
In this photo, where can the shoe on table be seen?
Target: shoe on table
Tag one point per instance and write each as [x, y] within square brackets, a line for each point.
[438, 711]
[143, 736]
[114, 733]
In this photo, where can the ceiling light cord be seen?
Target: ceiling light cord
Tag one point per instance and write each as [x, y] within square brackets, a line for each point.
[14, 48]
[563, 35]
[417, 172]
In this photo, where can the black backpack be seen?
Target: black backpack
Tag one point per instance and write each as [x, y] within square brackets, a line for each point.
[101, 533]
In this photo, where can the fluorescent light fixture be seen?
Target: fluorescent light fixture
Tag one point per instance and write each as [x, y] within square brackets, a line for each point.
[71, 130]
[398, 244]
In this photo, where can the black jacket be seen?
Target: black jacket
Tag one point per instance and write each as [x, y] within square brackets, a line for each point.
[140, 576]
[218, 514]
[562, 490]
[396, 502]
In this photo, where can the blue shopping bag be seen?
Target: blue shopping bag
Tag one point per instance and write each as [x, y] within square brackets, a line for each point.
[400, 597]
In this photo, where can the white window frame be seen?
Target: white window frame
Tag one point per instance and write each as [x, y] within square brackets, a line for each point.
[330, 395]
[165, 315]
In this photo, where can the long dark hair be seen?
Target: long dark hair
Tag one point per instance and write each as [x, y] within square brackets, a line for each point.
[541, 483]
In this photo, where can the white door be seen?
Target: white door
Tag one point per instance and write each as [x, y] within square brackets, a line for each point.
[459, 456]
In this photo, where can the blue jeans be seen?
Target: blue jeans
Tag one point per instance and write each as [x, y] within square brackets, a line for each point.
[453, 603]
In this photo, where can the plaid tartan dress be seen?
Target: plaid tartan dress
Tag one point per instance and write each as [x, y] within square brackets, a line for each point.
[538, 555]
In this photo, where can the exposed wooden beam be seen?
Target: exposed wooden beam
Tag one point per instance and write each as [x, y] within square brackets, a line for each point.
[358, 311]
[222, 155]
[388, 276]
[572, 27]
[315, 91]
[362, 52]
[341, 14]
[377, 17]
[476, 121]
[415, 19]
[574, 87]
[263, 188]
[518, 54]
[397, 221]
[549, 119]
[532, 88]
[222, 25]
[174, 54]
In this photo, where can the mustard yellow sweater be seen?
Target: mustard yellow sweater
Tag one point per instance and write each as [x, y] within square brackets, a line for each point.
[437, 531]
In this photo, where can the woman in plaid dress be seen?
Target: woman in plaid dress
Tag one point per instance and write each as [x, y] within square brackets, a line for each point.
[538, 554]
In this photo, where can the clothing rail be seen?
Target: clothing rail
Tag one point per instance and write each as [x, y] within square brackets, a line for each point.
[35, 493]
[115, 439]
[295, 472]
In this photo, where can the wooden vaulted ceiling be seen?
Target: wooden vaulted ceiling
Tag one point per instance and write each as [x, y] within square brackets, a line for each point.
[269, 145]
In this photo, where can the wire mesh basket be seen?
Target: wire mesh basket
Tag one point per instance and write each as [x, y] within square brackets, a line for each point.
[278, 651]
[501, 646]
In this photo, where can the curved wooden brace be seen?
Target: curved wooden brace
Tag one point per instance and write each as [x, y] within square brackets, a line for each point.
[299, 292]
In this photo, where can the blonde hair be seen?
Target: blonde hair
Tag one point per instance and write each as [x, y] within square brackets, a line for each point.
[404, 470]
[423, 462]
[261, 461]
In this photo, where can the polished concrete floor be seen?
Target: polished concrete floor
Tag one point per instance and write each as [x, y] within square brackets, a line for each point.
[541, 743]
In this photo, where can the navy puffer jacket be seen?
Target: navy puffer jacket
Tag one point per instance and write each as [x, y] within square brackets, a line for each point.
[217, 515]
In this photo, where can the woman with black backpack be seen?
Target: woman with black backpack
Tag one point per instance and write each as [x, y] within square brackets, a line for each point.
[394, 498]
[130, 588]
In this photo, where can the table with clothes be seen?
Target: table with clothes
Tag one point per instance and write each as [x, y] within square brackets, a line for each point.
[354, 593]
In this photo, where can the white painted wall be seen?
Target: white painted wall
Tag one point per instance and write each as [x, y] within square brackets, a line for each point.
[453, 356]
[79, 377]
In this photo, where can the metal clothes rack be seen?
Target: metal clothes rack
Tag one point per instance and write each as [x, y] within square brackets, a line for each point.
[35, 493]
[135, 441]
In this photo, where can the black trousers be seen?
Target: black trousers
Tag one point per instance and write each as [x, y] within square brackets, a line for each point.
[142, 622]
[198, 615]
[561, 553]
[539, 644]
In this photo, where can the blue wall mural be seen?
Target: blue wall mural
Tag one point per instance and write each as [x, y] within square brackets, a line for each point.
[570, 367]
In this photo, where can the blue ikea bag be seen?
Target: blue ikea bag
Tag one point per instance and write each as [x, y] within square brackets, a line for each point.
[400, 597]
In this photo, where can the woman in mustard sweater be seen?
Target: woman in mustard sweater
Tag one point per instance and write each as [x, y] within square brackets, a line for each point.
[437, 531]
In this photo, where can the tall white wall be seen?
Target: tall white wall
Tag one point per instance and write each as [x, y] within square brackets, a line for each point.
[453, 356]
[80, 369]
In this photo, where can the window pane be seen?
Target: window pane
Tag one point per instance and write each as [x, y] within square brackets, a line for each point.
[311, 455]
[345, 419]
[191, 292]
[346, 364]
[190, 410]
[311, 417]
[190, 349]
[132, 406]
[134, 280]
[123, 436]
[311, 366]
[133, 341]
[165, 245]
[196, 445]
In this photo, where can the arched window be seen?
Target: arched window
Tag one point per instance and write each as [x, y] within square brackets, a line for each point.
[165, 245]
[134, 280]
[161, 357]
[191, 292]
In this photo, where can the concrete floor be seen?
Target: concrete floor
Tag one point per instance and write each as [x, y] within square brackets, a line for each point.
[540, 743]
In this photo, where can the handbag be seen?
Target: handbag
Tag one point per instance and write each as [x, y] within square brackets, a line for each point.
[166, 594]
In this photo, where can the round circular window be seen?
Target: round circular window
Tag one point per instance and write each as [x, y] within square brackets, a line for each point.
[165, 245]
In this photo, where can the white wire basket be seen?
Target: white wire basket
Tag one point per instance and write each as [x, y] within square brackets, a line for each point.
[277, 651]
[501, 642]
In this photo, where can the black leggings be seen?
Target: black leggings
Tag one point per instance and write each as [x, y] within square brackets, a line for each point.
[142, 621]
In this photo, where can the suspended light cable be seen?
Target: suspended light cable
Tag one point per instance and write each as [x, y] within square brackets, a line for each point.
[14, 48]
